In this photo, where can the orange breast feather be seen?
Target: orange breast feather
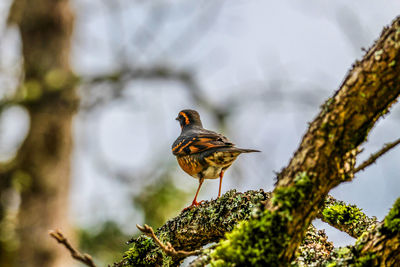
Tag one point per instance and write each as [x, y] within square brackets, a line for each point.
[189, 165]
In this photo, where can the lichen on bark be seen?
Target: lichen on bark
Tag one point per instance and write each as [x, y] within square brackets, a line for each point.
[377, 247]
[315, 246]
[345, 217]
[195, 228]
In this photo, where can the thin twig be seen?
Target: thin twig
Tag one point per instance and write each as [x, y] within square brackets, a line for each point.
[84, 258]
[376, 155]
[168, 248]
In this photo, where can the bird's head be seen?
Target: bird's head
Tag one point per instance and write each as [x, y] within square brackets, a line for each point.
[189, 117]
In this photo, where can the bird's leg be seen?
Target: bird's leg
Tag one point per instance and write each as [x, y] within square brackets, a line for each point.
[195, 203]
[221, 175]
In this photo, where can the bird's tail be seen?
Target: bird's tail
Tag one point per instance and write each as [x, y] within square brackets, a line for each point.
[234, 150]
[245, 150]
[238, 150]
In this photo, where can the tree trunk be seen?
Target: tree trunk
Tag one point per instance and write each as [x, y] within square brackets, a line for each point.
[43, 161]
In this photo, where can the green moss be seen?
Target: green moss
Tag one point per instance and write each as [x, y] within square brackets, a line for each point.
[378, 54]
[138, 254]
[261, 240]
[220, 263]
[325, 106]
[342, 252]
[290, 197]
[360, 242]
[366, 260]
[348, 218]
[218, 215]
[341, 256]
[391, 226]
[347, 256]
[392, 220]
[342, 214]
[254, 242]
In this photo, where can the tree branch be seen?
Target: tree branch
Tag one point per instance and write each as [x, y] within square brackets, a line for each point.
[383, 245]
[84, 258]
[195, 228]
[324, 159]
[314, 248]
[376, 155]
[168, 248]
[347, 218]
[220, 216]
[378, 247]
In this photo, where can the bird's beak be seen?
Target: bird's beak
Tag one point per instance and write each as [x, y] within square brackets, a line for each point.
[177, 118]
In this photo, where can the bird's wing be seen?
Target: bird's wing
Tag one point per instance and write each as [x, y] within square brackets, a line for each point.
[197, 143]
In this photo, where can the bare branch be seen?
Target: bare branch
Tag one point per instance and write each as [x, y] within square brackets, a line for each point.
[168, 248]
[84, 258]
[376, 155]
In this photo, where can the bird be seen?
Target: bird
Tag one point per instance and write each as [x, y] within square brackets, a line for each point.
[201, 153]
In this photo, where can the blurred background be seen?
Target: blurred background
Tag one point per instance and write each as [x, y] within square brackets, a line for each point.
[89, 93]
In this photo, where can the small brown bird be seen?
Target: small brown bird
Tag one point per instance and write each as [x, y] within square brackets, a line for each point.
[201, 153]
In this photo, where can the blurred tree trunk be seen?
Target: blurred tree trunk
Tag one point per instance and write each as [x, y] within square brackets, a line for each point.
[43, 161]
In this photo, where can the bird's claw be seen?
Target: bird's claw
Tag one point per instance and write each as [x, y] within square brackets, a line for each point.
[194, 204]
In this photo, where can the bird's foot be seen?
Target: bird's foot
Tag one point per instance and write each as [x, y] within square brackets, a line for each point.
[194, 204]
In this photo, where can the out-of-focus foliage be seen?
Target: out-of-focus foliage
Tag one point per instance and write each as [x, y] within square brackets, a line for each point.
[105, 242]
[160, 200]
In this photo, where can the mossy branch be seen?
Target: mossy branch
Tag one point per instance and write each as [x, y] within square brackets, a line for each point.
[315, 248]
[378, 247]
[220, 216]
[167, 248]
[383, 245]
[325, 158]
[194, 228]
[345, 217]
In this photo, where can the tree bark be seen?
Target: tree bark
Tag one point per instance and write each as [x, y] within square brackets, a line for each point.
[43, 161]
